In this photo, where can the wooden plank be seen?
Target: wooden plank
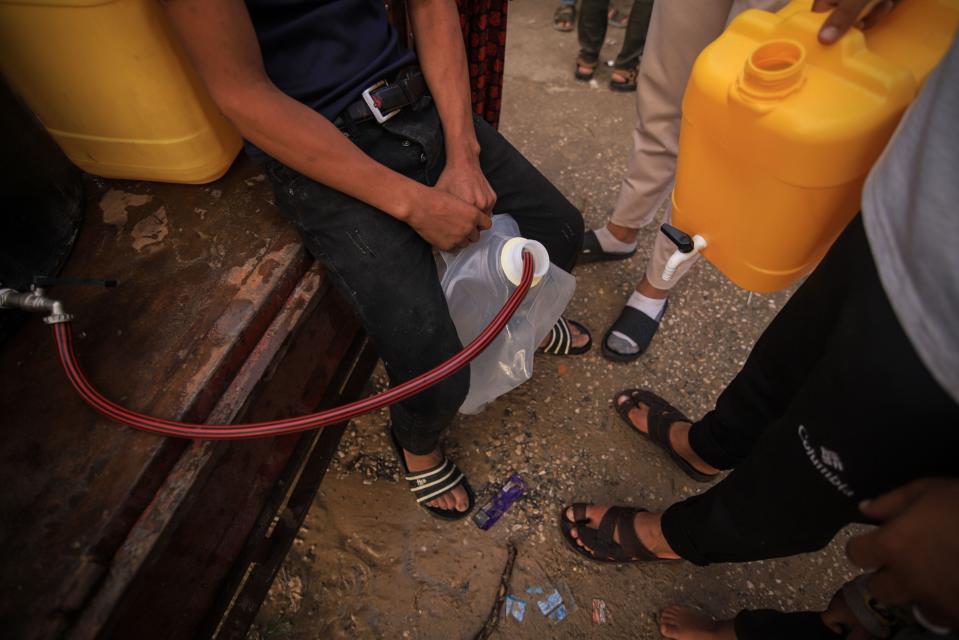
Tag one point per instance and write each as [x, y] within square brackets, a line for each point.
[203, 271]
[174, 590]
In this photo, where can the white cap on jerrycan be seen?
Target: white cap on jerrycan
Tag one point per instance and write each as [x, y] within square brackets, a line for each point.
[511, 259]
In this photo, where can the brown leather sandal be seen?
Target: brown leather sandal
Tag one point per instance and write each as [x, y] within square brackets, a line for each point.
[602, 546]
[580, 75]
[629, 84]
[661, 417]
[564, 19]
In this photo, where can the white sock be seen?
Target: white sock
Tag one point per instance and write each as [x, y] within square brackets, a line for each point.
[652, 307]
[610, 244]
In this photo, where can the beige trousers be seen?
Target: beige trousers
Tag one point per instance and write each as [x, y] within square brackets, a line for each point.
[678, 31]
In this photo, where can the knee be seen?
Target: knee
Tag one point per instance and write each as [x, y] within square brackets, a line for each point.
[572, 219]
[571, 227]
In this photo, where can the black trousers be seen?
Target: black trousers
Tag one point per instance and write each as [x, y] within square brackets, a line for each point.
[387, 270]
[833, 406]
[766, 624]
[592, 25]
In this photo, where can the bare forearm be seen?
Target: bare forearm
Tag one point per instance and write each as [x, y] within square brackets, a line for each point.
[220, 38]
[221, 42]
[304, 140]
[442, 58]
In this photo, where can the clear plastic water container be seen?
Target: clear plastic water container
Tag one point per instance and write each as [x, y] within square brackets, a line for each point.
[477, 282]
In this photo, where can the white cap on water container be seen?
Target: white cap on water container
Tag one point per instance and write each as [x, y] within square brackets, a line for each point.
[511, 259]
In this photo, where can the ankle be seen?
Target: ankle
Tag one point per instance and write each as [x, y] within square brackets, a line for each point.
[679, 436]
[623, 234]
[646, 288]
[679, 439]
[649, 528]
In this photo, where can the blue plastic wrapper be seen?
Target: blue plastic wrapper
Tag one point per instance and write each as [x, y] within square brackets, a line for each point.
[558, 614]
[551, 601]
[515, 608]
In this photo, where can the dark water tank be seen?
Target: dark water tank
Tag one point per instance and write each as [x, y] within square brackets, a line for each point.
[41, 202]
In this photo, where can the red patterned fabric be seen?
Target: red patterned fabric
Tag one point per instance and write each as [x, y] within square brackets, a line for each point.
[484, 29]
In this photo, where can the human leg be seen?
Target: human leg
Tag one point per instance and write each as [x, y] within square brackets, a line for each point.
[624, 67]
[679, 622]
[386, 270]
[678, 31]
[591, 29]
[785, 354]
[653, 284]
[564, 18]
[832, 407]
[859, 618]
[868, 417]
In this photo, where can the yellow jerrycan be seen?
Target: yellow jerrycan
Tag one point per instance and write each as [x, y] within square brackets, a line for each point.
[111, 84]
[780, 131]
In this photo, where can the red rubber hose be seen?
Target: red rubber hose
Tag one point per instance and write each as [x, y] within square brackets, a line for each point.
[159, 426]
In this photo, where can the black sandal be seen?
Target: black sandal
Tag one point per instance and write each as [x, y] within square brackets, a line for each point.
[593, 251]
[435, 482]
[638, 326]
[602, 546]
[561, 340]
[585, 76]
[627, 85]
[565, 15]
[661, 417]
[617, 18]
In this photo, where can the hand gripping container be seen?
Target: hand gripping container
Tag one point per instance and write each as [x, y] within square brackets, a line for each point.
[111, 84]
[780, 131]
[477, 281]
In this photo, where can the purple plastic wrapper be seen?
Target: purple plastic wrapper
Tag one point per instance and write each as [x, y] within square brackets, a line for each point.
[488, 515]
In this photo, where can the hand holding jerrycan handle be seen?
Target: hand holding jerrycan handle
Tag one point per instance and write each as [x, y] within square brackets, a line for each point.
[476, 281]
[779, 132]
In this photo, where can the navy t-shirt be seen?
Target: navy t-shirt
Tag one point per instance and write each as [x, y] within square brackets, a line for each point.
[324, 53]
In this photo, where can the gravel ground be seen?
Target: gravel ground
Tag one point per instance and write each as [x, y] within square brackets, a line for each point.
[370, 564]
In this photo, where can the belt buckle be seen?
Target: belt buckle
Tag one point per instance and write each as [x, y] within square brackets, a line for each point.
[374, 109]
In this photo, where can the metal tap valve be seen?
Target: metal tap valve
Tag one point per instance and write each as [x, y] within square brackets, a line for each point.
[35, 301]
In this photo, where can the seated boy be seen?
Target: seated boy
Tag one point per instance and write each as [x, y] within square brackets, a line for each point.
[377, 163]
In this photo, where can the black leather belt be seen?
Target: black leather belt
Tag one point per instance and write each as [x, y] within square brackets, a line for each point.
[384, 100]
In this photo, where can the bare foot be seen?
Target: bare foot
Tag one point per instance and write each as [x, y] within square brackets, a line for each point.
[686, 623]
[579, 339]
[454, 499]
[647, 526]
[678, 434]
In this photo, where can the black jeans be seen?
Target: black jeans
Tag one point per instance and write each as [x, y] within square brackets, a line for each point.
[766, 624]
[387, 270]
[593, 20]
[833, 406]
